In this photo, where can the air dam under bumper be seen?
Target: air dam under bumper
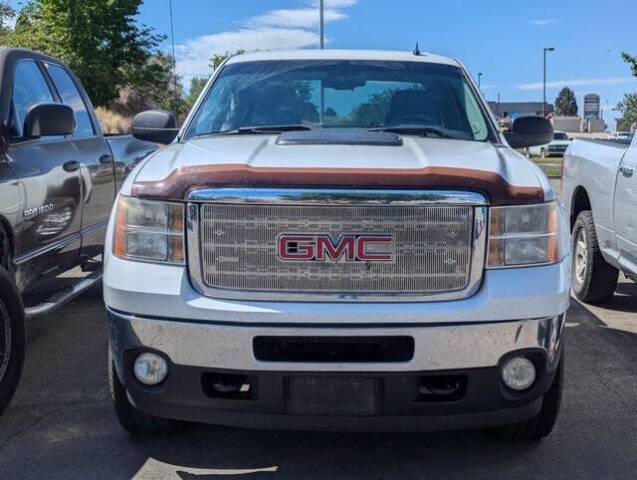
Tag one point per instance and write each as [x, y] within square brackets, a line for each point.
[460, 364]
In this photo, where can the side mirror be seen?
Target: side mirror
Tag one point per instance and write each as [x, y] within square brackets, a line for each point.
[529, 132]
[49, 119]
[156, 126]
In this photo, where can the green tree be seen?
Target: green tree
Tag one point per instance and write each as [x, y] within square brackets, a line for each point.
[632, 61]
[197, 85]
[154, 87]
[217, 60]
[100, 40]
[6, 14]
[565, 103]
[628, 108]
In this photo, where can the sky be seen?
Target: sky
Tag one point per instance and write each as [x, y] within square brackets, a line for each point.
[502, 39]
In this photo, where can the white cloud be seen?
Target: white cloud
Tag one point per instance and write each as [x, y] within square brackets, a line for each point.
[545, 22]
[335, 3]
[575, 82]
[302, 17]
[279, 29]
[193, 57]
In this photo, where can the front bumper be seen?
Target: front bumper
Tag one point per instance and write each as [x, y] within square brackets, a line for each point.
[200, 352]
[557, 150]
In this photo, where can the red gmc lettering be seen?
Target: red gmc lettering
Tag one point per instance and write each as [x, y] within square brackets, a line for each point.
[303, 244]
[335, 252]
[349, 248]
[365, 240]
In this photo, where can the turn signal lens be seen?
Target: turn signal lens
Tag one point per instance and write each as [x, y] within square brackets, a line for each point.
[149, 230]
[524, 235]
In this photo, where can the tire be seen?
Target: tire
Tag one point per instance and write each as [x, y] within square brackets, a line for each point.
[594, 280]
[12, 338]
[541, 425]
[130, 418]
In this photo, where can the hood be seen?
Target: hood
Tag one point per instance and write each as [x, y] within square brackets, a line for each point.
[418, 162]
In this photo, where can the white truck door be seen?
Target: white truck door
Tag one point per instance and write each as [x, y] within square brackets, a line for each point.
[626, 208]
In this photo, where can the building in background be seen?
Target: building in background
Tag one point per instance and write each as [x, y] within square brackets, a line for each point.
[504, 110]
[578, 124]
[590, 123]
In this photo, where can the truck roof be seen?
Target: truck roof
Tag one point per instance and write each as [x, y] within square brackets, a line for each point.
[316, 54]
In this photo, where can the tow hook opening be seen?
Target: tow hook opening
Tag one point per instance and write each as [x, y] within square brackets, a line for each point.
[441, 388]
[228, 386]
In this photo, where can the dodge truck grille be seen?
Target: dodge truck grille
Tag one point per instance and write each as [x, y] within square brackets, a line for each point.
[428, 249]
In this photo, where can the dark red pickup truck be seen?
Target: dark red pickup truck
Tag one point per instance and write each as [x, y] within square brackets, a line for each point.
[59, 176]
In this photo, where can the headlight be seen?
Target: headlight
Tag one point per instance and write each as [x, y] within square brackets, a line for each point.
[524, 235]
[149, 231]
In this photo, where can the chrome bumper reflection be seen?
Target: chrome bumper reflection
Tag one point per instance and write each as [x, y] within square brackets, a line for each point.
[221, 345]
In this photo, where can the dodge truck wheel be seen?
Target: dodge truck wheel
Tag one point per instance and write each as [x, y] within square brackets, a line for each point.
[11, 338]
[594, 280]
[130, 418]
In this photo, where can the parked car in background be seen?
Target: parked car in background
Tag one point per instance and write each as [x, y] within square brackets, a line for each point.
[58, 178]
[338, 240]
[621, 136]
[555, 147]
[599, 188]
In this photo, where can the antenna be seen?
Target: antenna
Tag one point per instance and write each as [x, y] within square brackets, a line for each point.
[416, 50]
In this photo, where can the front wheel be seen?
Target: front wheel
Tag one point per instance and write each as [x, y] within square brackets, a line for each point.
[130, 418]
[541, 425]
[594, 280]
[12, 340]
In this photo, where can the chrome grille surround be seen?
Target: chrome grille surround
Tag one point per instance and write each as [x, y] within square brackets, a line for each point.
[450, 269]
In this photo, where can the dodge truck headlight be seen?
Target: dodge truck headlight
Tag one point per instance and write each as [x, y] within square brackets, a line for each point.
[149, 231]
[524, 235]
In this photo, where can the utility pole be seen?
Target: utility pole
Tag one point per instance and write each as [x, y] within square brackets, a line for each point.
[321, 26]
[549, 49]
[172, 41]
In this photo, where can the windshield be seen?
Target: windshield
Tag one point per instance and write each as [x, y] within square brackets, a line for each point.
[425, 97]
[560, 136]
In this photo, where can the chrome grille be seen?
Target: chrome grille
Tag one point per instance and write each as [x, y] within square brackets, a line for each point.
[238, 248]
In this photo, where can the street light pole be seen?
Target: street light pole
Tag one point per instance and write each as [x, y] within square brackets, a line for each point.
[549, 49]
[479, 79]
[321, 26]
[172, 41]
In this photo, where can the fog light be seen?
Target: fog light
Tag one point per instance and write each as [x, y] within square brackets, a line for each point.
[150, 368]
[518, 373]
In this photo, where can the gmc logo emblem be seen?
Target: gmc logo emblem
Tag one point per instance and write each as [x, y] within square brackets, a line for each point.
[346, 248]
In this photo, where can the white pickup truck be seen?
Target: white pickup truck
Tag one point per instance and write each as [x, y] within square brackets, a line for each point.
[599, 189]
[338, 240]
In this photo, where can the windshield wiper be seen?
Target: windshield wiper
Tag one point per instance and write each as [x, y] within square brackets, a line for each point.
[262, 129]
[415, 130]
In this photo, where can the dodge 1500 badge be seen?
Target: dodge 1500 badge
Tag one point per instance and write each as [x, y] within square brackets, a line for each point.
[338, 240]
